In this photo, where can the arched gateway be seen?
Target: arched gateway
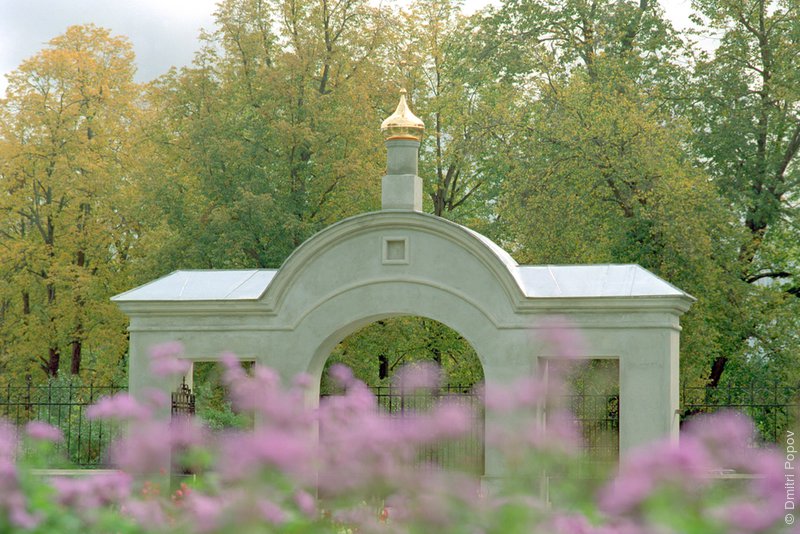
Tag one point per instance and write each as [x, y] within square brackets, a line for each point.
[390, 262]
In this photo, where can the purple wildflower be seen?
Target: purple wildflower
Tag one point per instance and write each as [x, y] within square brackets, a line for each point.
[245, 455]
[165, 361]
[41, 431]
[570, 524]
[148, 513]
[271, 512]
[8, 439]
[12, 499]
[170, 349]
[205, 511]
[145, 450]
[87, 494]
[302, 381]
[305, 503]
[120, 407]
[419, 376]
[341, 374]
[686, 465]
[186, 432]
[745, 517]
[562, 337]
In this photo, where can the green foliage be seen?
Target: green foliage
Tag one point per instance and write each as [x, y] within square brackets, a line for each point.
[212, 404]
[746, 120]
[65, 231]
[569, 131]
[404, 341]
[269, 136]
[613, 186]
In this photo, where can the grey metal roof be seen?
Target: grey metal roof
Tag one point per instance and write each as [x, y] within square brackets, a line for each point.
[543, 281]
[592, 281]
[202, 285]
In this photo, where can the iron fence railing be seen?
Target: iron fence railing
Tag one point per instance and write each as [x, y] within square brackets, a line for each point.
[183, 400]
[597, 418]
[465, 453]
[772, 407]
[63, 406]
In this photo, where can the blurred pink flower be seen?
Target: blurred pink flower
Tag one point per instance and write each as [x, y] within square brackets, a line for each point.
[686, 465]
[526, 392]
[165, 361]
[744, 517]
[145, 449]
[88, 493]
[302, 381]
[560, 433]
[769, 476]
[205, 511]
[245, 455]
[39, 430]
[186, 432]
[169, 349]
[120, 406]
[306, 503]
[341, 374]
[562, 337]
[727, 434]
[425, 376]
[8, 439]
[626, 493]
[156, 398]
[146, 513]
[451, 419]
[167, 367]
[446, 420]
[12, 498]
[271, 512]
[570, 524]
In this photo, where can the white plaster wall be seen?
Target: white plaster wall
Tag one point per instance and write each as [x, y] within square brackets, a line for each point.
[337, 282]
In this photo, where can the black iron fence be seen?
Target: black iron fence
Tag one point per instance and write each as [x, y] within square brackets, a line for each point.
[465, 453]
[772, 407]
[597, 418]
[63, 405]
[183, 400]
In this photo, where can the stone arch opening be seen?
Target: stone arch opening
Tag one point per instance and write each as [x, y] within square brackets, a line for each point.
[378, 351]
[375, 352]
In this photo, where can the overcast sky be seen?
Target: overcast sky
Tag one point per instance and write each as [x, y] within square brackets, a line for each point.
[163, 32]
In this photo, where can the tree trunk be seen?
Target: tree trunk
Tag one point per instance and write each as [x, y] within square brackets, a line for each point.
[717, 368]
[53, 362]
[75, 362]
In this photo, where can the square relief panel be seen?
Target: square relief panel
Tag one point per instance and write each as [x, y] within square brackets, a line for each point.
[395, 250]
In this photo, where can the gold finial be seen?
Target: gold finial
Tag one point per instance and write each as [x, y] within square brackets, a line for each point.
[402, 124]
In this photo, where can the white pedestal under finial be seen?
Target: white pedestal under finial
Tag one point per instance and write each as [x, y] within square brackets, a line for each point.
[401, 188]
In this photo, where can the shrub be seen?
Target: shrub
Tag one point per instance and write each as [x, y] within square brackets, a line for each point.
[348, 467]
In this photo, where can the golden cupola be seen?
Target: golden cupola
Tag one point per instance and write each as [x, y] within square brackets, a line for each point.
[402, 124]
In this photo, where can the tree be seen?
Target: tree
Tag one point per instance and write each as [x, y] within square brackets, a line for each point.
[464, 108]
[612, 75]
[65, 135]
[746, 114]
[378, 350]
[271, 135]
[602, 178]
[523, 38]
